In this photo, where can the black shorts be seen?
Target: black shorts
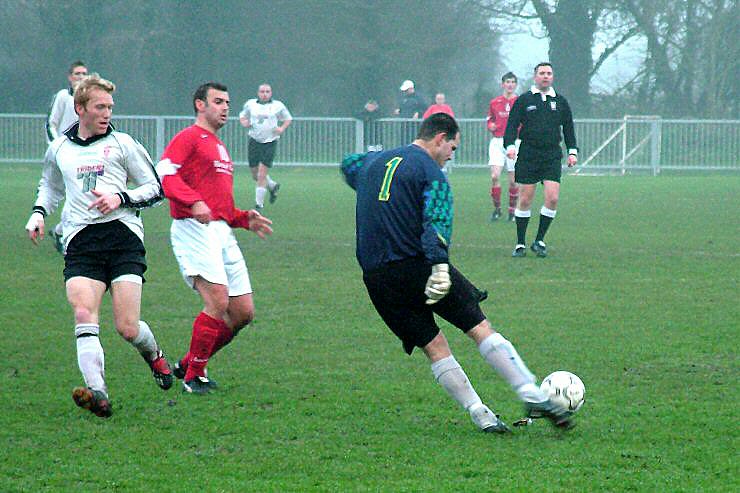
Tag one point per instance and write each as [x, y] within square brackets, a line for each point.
[397, 292]
[104, 252]
[261, 153]
[535, 165]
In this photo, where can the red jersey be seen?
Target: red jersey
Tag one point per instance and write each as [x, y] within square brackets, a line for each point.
[498, 114]
[196, 166]
[439, 108]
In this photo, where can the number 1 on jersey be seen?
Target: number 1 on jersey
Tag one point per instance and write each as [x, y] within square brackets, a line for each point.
[385, 187]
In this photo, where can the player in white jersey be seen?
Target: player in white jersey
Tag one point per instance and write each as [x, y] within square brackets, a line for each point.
[89, 167]
[62, 111]
[61, 116]
[266, 119]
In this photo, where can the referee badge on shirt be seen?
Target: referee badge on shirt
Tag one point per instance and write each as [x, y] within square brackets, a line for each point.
[553, 105]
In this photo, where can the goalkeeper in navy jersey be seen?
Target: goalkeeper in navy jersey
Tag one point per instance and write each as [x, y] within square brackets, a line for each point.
[404, 225]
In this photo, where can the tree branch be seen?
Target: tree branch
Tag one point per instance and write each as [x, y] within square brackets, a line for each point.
[608, 51]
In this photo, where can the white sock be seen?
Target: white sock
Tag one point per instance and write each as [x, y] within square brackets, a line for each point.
[548, 212]
[145, 343]
[90, 357]
[501, 355]
[452, 378]
[259, 193]
[58, 229]
[270, 182]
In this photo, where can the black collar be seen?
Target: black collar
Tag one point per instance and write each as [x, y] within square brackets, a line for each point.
[73, 131]
[259, 101]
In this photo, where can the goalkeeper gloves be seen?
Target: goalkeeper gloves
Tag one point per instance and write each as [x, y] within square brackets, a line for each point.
[438, 284]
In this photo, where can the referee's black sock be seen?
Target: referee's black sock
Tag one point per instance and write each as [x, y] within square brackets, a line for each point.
[521, 228]
[546, 217]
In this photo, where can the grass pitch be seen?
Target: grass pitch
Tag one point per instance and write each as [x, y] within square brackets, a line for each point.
[639, 297]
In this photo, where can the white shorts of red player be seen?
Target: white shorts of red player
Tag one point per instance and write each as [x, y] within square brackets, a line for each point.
[497, 154]
[210, 251]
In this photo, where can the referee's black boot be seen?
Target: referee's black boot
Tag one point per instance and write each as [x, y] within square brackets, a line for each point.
[519, 251]
[539, 248]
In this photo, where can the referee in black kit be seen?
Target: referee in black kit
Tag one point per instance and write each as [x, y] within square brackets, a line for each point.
[540, 113]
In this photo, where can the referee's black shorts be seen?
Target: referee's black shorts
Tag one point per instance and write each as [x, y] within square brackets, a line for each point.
[534, 166]
[258, 152]
[397, 292]
[103, 252]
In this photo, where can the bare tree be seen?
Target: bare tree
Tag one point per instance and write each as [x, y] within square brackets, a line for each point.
[571, 27]
[693, 47]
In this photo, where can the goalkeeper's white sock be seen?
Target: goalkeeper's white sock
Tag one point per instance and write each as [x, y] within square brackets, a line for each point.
[259, 196]
[452, 378]
[145, 343]
[90, 356]
[270, 182]
[501, 355]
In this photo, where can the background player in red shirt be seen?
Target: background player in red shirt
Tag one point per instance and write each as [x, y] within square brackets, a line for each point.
[498, 115]
[197, 177]
[440, 106]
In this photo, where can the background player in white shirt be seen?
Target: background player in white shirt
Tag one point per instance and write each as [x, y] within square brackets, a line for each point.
[62, 110]
[89, 167]
[266, 119]
[62, 115]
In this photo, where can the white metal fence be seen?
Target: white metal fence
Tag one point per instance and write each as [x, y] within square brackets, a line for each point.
[606, 145]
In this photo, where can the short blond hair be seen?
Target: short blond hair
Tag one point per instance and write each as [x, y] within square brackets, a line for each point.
[88, 84]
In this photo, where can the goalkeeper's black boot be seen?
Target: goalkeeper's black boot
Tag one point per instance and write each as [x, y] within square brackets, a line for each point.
[488, 422]
[519, 251]
[558, 416]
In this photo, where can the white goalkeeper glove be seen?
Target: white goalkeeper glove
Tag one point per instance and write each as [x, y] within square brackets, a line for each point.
[438, 284]
[35, 226]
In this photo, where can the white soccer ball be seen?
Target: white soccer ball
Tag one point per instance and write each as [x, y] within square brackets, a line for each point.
[565, 389]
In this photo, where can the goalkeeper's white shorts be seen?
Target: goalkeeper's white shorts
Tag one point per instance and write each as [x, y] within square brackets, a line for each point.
[211, 252]
[497, 154]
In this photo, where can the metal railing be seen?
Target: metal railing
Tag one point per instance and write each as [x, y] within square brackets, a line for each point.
[606, 145]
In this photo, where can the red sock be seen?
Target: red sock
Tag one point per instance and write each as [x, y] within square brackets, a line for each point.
[185, 361]
[496, 196]
[225, 335]
[205, 333]
[513, 195]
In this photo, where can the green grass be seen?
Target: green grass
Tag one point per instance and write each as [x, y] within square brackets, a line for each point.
[639, 297]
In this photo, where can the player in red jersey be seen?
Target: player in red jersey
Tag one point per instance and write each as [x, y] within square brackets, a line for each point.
[498, 115]
[197, 177]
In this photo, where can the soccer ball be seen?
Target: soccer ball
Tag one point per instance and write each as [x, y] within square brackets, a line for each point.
[564, 389]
